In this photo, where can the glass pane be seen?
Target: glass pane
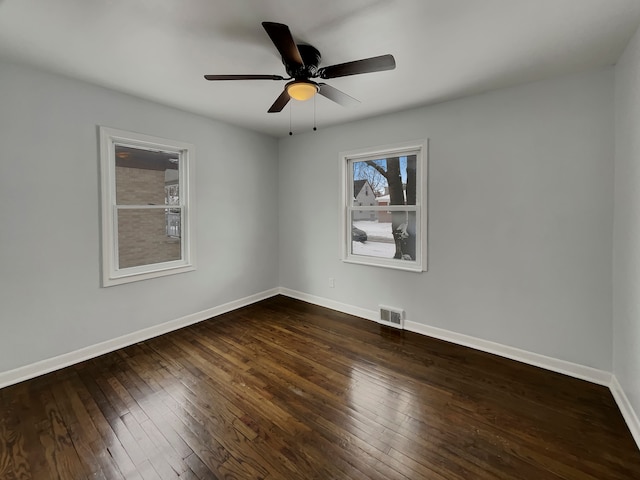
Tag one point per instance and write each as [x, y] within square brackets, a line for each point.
[385, 235]
[145, 177]
[147, 236]
[385, 181]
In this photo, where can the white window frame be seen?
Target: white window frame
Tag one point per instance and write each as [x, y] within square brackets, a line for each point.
[111, 273]
[346, 159]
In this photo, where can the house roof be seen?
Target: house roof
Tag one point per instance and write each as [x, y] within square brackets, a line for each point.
[357, 186]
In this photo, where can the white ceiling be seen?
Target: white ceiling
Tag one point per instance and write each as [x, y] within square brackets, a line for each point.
[160, 49]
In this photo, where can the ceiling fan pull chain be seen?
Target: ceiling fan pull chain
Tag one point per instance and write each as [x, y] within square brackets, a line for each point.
[290, 131]
[314, 113]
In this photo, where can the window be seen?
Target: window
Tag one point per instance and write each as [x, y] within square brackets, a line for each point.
[147, 206]
[390, 229]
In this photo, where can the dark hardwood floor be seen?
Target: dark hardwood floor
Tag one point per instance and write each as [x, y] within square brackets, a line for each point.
[287, 390]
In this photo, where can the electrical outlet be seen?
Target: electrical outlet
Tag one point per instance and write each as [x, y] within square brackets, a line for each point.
[332, 283]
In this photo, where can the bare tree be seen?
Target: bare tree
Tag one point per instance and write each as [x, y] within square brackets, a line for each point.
[410, 245]
[403, 225]
[363, 171]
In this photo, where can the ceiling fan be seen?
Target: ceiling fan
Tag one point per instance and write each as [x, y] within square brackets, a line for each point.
[301, 64]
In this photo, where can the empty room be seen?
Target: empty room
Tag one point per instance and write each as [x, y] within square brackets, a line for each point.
[270, 239]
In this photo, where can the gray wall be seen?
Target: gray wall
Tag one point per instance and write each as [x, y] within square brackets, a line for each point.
[520, 217]
[626, 258]
[50, 297]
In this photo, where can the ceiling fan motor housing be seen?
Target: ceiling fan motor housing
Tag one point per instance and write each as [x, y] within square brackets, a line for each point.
[311, 58]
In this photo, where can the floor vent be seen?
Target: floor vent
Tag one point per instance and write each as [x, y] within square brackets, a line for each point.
[391, 316]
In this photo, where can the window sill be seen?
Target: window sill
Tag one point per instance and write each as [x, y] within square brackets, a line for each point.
[137, 276]
[412, 267]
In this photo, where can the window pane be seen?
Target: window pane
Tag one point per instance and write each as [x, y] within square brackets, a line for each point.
[147, 236]
[387, 235]
[385, 181]
[145, 177]
[173, 222]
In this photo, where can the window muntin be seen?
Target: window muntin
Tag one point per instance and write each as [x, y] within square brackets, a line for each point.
[384, 206]
[141, 177]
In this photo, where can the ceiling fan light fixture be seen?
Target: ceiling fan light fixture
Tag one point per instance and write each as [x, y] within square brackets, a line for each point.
[302, 90]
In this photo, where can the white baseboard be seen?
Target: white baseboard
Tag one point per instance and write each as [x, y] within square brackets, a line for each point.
[628, 413]
[582, 372]
[575, 370]
[55, 363]
[332, 304]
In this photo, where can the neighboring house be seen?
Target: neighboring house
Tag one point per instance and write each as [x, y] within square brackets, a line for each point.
[146, 236]
[384, 200]
[364, 196]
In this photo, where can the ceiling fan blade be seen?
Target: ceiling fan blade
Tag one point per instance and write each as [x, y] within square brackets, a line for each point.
[366, 65]
[280, 102]
[336, 95]
[283, 40]
[244, 77]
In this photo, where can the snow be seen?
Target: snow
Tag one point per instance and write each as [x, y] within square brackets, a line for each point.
[375, 229]
[374, 249]
[379, 239]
